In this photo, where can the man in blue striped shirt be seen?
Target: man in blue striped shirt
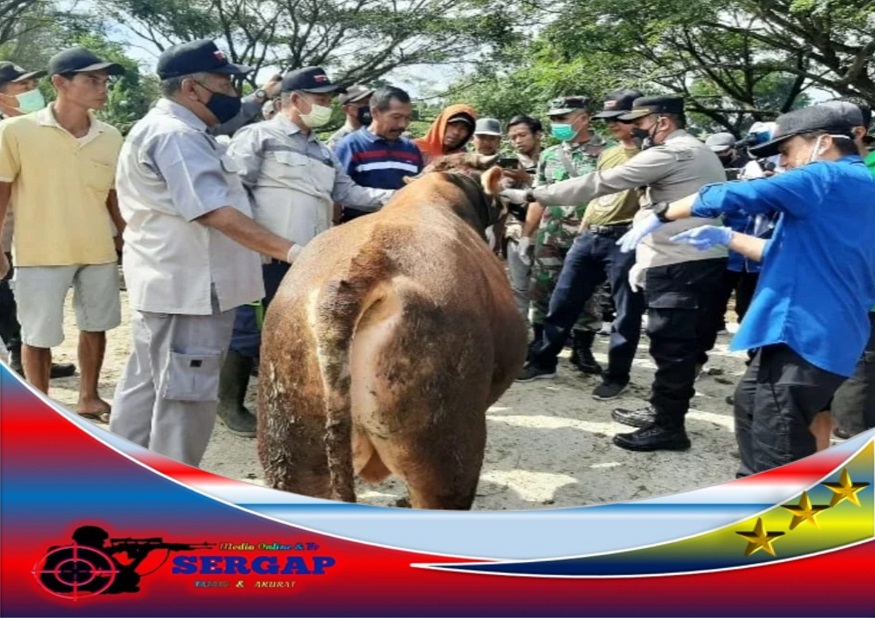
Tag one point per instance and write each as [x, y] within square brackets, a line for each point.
[378, 156]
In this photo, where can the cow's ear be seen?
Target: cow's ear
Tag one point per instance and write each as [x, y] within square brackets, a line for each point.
[491, 180]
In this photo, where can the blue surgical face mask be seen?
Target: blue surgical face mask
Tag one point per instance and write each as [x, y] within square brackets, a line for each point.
[30, 101]
[563, 131]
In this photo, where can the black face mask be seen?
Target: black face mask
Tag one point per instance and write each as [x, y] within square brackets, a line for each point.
[364, 116]
[223, 106]
[644, 137]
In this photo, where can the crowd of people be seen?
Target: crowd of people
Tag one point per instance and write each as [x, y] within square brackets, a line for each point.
[211, 197]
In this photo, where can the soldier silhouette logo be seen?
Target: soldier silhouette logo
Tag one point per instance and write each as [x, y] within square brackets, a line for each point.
[97, 564]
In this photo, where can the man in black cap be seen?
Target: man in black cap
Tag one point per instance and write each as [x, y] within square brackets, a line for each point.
[19, 94]
[595, 258]
[818, 279]
[63, 220]
[355, 103]
[191, 254]
[293, 180]
[680, 284]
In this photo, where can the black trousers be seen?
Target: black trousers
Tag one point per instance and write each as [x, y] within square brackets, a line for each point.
[775, 402]
[744, 284]
[593, 259]
[682, 300]
[853, 407]
[10, 329]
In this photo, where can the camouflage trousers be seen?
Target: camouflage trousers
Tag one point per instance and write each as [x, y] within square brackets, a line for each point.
[546, 266]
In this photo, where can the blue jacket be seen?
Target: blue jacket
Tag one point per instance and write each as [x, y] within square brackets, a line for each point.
[817, 282]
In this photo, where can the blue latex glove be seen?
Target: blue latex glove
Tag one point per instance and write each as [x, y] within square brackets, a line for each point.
[642, 228]
[705, 237]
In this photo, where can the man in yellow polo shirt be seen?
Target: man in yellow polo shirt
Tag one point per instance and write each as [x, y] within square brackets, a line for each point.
[58, 167]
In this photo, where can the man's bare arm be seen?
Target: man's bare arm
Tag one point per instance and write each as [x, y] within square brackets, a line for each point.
[244, 230]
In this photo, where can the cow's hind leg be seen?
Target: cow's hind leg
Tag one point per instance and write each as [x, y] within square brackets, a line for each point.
[293, 454]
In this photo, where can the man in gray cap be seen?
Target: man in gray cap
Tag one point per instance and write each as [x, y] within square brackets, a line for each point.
[724, 146]
[680, 284]
[191, 254]
[355, 103]
[487, 136]
[818, 279]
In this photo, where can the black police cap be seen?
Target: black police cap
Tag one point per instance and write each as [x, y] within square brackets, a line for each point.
[310, 79]
[81, 60]
[618, 103]
[661, 104]
[10, 72]
[201, 56]
[816, 119]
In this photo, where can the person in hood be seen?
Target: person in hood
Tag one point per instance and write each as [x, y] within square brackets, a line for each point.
[449, 133]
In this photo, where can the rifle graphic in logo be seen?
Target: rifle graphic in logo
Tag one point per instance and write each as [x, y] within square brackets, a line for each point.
[90, 565]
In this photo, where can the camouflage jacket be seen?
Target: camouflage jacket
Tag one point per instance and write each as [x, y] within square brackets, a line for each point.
[559, 224]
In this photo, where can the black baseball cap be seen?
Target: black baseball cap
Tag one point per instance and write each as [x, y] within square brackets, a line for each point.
[565, 105]
[81, 60]
[201, 56]
[661, 104]
[801, 121]
[10, 73]
[354, 94]
[310, 79]
[618, 103]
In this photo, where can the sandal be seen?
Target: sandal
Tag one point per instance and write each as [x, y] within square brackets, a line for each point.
[98, 417]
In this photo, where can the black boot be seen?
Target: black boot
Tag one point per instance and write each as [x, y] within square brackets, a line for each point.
[15, 360]
[581, 352]
[233, 382]
[654, 438]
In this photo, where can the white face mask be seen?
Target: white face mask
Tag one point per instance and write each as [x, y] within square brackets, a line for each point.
[318, 116]
[30, 101]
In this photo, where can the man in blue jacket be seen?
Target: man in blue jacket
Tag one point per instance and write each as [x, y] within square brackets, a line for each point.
[818, 279]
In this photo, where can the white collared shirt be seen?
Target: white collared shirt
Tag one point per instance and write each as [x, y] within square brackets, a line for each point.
[170, 172]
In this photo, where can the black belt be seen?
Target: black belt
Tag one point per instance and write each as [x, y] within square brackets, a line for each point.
[609, 230]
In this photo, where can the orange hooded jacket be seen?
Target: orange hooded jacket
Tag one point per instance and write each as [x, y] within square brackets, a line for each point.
[432, 144]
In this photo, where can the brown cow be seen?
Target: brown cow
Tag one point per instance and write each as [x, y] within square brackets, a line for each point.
[387, 342]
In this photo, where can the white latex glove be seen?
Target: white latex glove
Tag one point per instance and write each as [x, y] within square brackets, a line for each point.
[490, 237]
[523, 249]
[644, 227]
[636, 278]
[293, 253]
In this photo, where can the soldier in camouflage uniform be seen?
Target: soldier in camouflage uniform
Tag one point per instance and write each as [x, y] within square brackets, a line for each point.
[577, 155]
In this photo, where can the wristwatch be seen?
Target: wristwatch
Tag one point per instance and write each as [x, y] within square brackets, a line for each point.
[660, 209]
[530, 195]
[261, 94]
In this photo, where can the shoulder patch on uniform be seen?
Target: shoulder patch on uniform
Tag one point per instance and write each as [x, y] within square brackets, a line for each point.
[683, 154]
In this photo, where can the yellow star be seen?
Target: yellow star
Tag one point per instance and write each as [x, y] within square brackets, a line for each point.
[845, 489]
[804, 511]
[759, 539]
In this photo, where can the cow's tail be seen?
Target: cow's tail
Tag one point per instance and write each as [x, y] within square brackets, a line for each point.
[340, 306]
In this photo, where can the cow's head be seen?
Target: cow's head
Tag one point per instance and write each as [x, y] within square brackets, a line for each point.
[480, 180]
